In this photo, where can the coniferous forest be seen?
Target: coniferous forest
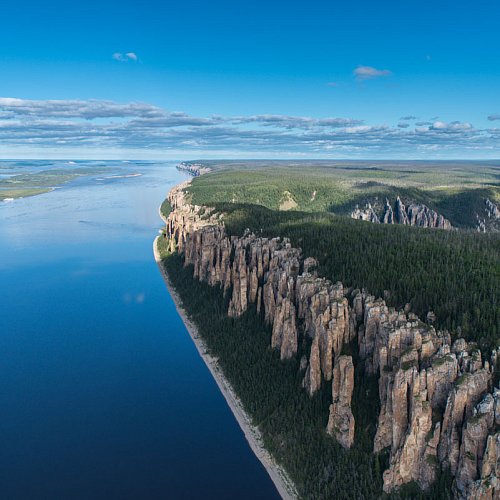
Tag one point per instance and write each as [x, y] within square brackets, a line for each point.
[293, 424]
[455, 274]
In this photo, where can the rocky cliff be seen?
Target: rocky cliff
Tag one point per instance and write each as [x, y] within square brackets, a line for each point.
[413, 214]
[438, 406]
[341, 420]
[195, 169]
[489, 219]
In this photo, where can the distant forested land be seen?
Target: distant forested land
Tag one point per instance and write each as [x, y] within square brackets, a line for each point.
[454, 274]
[457, 190]
[293, 424]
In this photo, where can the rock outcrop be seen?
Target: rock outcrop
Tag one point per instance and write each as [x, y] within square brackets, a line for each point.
[366, 213]
[438, 409]
[487, 487]
[489, 219]
[492, 210]
[388, 217]
[195, 169]
[473, 446]
[414, 214]
[341, 420]
[466, 392]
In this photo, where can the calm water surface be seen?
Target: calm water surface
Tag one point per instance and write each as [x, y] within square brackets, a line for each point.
[102, 393]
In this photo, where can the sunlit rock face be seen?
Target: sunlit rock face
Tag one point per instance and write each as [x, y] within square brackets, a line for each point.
[414, 214]
[438, 409]
[489, 218]
[341, 420]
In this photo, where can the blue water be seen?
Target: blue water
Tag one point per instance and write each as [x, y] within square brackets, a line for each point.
[102, 392]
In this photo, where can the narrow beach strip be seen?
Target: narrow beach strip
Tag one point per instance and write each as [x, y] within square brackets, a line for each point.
[252, 434]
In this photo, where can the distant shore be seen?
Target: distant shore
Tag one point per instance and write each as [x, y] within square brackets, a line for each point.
[277, 474]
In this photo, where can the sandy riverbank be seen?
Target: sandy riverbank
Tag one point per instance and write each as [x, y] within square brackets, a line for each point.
[279, 477]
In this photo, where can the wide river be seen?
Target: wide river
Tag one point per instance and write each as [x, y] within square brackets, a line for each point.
[102, 392]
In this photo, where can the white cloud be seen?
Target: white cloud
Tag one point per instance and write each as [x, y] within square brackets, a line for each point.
[297, 122]
[129, 56]
[94, 125]
[73, 108]
[369, 73]
[450, 127]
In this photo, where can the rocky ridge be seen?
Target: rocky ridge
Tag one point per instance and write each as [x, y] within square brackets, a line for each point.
[195, 169]
[439, 409]
[414, 214]
[490, 219]
[341, 419]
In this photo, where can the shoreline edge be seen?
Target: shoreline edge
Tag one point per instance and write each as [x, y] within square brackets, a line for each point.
[279, 477]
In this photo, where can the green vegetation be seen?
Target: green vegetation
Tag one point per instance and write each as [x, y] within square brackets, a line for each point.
[455, 274]
[165, 208]
[293, 425]
[462, 379]
[162, 245]
[268, 188]
[456, 190]
[406, 365]
[22, 193]
[46, 178]
[34, 183]
[442, 360]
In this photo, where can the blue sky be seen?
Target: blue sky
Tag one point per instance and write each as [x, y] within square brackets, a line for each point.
[250, 79]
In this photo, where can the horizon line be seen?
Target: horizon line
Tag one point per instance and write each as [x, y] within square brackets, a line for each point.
[72, 158]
